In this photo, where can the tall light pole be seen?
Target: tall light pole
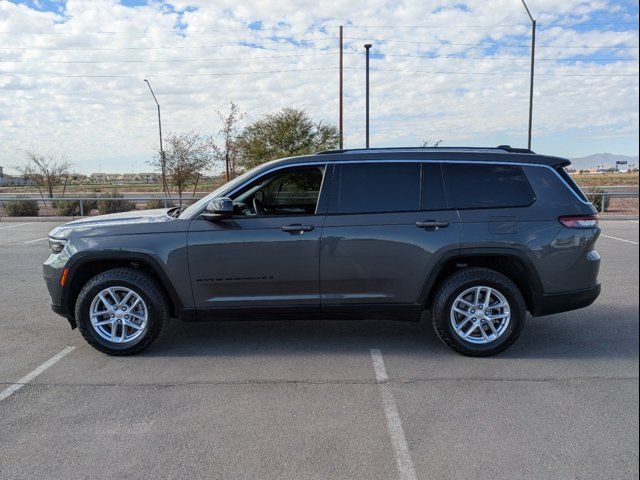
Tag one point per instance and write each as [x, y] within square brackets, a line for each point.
[367, 46]
[533, 57]
[340, 119]
[162, 160]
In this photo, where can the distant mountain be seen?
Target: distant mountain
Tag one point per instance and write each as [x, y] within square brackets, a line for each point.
[607, 159]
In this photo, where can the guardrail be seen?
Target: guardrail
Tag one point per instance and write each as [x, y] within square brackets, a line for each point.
[605, 198]
[167, 202]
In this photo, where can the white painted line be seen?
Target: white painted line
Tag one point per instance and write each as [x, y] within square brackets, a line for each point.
[37, 240]
[15, 225]
[394, 424]
[11, 389]
[620, 239]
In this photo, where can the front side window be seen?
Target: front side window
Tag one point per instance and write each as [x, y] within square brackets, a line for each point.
[287, 192]
[472, 186]
[378, 187]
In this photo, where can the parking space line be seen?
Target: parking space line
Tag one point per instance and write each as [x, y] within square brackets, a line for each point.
[15, 225]
[620, 239]
[37, 240]
[13, 388]
[394, 424]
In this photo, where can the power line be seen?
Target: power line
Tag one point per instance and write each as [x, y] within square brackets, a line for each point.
[239, 43]
[271, 57]
[501, 73]
[481, 45]
[454, 57]
[223, 74]
[496, 25]
[176, 60]
[180, 31]
[249, 29]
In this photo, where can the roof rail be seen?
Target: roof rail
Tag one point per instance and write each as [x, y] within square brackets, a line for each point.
[509, 148]
[505, 148]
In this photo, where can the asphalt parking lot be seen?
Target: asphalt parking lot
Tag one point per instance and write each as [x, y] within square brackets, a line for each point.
[319, 400]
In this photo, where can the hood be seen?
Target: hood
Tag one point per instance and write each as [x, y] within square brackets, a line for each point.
[125, 223]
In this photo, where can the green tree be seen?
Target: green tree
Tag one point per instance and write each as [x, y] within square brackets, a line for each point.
[286, 133]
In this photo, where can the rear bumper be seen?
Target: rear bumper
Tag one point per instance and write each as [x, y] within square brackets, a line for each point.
[548, 304]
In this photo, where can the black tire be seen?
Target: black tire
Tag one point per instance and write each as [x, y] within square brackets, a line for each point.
[458, 283]
[142, 284]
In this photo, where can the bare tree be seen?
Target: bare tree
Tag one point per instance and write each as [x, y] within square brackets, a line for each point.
[186, 156]
[228, 153]
[46, 171]
[427, 143]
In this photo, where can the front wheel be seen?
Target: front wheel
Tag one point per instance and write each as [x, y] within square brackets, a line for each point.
[478, 312]
[121, 311]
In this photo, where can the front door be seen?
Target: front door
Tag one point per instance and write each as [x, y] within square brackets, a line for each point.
[267, 256]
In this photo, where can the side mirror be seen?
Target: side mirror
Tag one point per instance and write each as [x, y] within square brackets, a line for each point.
[219, 209]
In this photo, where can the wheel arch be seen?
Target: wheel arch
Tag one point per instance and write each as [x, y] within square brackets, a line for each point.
[510, 262]
[85, 266]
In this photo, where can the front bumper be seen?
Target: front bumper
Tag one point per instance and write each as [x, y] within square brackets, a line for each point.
[548, 304]
[52, 272]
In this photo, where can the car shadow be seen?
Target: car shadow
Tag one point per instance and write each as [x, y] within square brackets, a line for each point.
[600, 331]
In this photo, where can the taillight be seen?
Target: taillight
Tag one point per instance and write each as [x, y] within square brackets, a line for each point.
[579, 221]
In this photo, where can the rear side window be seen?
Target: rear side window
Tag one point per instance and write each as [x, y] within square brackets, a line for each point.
[378, 188]
[486, 186]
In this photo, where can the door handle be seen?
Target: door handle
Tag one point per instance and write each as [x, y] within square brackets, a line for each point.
[432, 224]
[297, 228]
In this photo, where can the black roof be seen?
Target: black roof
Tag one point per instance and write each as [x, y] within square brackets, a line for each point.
[502, 153]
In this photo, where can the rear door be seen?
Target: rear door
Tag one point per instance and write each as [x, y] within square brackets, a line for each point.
[387, 225]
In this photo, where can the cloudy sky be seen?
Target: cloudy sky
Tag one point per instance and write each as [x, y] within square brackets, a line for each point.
[71, 72]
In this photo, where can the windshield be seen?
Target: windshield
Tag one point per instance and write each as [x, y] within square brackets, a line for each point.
[200, 204]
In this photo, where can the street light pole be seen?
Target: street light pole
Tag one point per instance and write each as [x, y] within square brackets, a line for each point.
[162, 159]
[341, 92]
[533, 57]
[367, 46]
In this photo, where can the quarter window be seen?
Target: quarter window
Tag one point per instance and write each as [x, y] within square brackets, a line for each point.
[486, 186]
[379, 188]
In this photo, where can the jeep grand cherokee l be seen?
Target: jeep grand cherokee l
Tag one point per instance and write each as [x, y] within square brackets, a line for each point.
[477, 236]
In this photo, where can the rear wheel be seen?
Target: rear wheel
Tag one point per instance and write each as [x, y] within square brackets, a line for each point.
[478, 312]
[121, 311]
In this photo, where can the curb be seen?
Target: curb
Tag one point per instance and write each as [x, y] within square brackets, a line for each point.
[618, 217]
[38, 219]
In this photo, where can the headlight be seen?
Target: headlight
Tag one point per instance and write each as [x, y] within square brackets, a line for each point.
[56, 245]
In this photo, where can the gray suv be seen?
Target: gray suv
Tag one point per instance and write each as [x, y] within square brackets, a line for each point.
[476, 236]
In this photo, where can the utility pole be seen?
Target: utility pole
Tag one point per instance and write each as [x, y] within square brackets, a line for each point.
[162, 159]
[367, 46]
[533, 56]
[340, 125]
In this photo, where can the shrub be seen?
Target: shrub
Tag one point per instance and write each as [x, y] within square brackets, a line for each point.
[158, 203]
[597, 199]
[22, 208]
[114, 206]
[71, 207]
[67, 208]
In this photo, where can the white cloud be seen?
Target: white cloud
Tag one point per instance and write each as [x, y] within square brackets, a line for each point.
[68, 107]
